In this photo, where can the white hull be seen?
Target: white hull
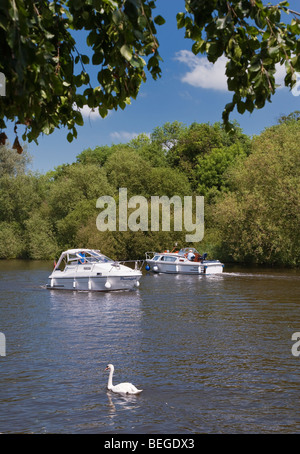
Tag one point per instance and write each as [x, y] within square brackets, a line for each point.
[96, 284]
[95, 273]
[178, 263]
[207, 267]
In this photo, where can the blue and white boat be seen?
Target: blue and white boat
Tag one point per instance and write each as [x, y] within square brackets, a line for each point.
[89, 270]
[185, 261]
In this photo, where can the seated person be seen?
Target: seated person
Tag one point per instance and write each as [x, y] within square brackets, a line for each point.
[82, 260]
[191, 255]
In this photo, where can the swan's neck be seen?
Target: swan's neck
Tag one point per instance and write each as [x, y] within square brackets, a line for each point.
[110, 384]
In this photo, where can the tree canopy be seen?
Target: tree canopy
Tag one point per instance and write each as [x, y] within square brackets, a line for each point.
[251, 189]
[47, 80]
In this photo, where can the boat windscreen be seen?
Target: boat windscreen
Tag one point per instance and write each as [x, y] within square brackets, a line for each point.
[185, 250]
[88, 257]
[98, 257]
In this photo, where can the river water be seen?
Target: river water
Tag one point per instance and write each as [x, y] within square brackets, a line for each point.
[211, 353]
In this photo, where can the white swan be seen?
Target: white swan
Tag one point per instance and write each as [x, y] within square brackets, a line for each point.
[122, 388]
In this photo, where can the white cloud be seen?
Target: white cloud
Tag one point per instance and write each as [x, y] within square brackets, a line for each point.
[203, 74]
[89, 113]
[280, 75]
[123, 136]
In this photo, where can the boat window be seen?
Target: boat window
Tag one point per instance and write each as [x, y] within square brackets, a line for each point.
[88, 257]
[156, 257]
[186, 250]
[170, 259]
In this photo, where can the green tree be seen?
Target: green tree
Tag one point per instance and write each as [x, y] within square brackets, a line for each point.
[195, 152]
[98, 155]
[168, 182]
[149, 150]
[253, 37]
[75, 183]
[39, 237]
[258, 220]
[48, 77]
[127, 169]
[11, 240]
[71, 199]
[45, 88]
[167, 135]
[18, 197]
[212, 167]
[13, 163]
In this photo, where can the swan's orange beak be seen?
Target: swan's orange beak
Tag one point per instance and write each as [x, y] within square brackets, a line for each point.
[107, 368]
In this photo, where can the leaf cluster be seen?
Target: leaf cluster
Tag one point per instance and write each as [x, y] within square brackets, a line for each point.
[40, 59]
[253, 38]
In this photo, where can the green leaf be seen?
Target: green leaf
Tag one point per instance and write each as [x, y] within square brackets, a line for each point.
[221, 23]
[97, 59]
[142, 21]
[126, 51]
[180, 20]
[102, 111]
[85, 59]
[159, 20]
[255, 67]
[241, 107]
[70, 137]
[273, 51]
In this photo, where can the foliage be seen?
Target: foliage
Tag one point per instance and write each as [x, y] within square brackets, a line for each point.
[11, 242]
[251, 190]
[197, 152]
[212, 167]
[18, 196]
[253, 38]
[40, 239]
[11, 163]
[259, 219]
[45, 88]
[48, 77]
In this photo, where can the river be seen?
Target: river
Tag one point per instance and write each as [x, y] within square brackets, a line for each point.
[211, 353]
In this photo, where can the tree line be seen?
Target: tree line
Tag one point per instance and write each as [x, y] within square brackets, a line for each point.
[251, 192]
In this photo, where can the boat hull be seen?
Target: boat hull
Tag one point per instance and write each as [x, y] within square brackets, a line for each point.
[205, 267]
[97, 278]
[94, 284]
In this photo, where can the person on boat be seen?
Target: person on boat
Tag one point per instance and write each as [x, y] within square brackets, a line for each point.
[82, 260]
[191, 255]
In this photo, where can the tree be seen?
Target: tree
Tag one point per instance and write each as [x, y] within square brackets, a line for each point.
[253, 38]
[98, 155]
[39, 56]
[212, 167]
[197, 153]
[12, 163]
[259, 219]
[11, 240]
[45, 89]
[167, 135]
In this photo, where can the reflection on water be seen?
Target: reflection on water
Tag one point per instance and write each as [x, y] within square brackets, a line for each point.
[212, 354]
[118, 403]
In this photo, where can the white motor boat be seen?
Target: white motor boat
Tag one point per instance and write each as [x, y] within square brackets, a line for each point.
[88, 269]
[185, 261]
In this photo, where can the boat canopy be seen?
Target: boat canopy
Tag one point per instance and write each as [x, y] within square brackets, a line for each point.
[186, 250]
[81, 256]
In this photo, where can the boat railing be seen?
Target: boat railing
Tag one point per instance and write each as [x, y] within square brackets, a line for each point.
[138, 264]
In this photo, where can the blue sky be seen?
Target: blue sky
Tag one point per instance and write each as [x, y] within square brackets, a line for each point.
[190, 90]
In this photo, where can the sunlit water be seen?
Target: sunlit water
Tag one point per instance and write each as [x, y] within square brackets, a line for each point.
[211, 353]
